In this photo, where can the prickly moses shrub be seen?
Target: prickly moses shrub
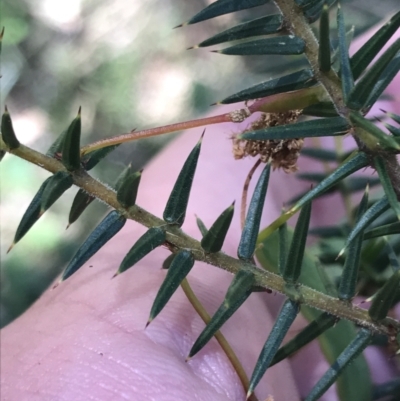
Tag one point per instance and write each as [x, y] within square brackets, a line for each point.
[330, 96]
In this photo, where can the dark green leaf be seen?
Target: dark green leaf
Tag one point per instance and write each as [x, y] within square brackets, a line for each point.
[175, 210]
[379, 163]
[283, 241]
[7, 131]
[318, 326]
[281, 326]
[369, 216]
[167, 261]
[394, 117]
[363, 89]
[251, 228]
[203, 229]
[384, 390]
[328, 232]
[345, 69]
[214, 239]
[125, 173]
[81, 201]
[352, 351]
[150, 240]
[294, 261]
[372, 136]
[71, 155]
[393, 130]
[297, 80]
[364, 56]
[383, 299]
[260, 26]
[107, 229]
[304, 129]
[324, 54]
[221, 7]
[90, 160]
[237, 293]
[388, 229]
[56, 186]
[178, 270]
[348, 282]
[324, 155]
[312, 13]
[384, 80]
[283, 45]
[322, 109]
[128, 189]
[31, 215]
[57, 145]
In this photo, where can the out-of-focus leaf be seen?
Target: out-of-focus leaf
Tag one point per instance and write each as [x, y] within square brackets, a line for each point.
[221, 7]
[387, 389]
[57, 145]
[71, 155]
[283, 45]
[348, 282]
[324, 54]
[214, 238]
[260, 26]
[305, 129]
[238, 291]
[380, 166]
[175, 210]
[150, 240]
[251, 227]
[318, 326]
[321, 109]
[388, 229]
[362, 90]
[324, 155]
[106, 230]
[282, 324]
[364, 56]
[7, 131]
[352, 351]
[202, 227]
[345, 69]
[297, 80]
[177, 271]
[90, 160]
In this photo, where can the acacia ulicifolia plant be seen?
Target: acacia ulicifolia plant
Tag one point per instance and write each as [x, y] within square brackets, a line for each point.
[331, 97]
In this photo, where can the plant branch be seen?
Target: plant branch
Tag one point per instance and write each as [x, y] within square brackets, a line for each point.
[177, 239]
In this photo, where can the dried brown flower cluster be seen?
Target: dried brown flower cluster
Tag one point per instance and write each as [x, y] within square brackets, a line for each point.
[282, 153]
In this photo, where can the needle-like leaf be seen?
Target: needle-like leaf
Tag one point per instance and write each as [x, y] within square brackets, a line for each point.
[7, 131]
[388, 229]
[106, 230]
[71, 155]
[251, 227]
[175, 210]
[128, 189]
[81, 201]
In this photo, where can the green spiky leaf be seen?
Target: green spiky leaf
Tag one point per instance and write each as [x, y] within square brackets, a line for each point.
[297, 80]
[364, 56]
[214, 238]
[282, 45]
[150, 240]
[106, 230]
[7, 131]
[81, 201]
[379, 163]
[281, 326]
[352, 351]
[201, 226]
[221, 7]
[304, 129]
[373, 137]
[251, 227]
[71, 155]
[128, 189]
[260, 26]
[292, 270]
[56, 147]
[177, 271]
[167, 261]
[384, 298]
[318, 326]
[56, 186]
[175, 210]
[362, 90]
[345, 69]
[237, 293]
[348, 282]
[91, 159]
[388, 229]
